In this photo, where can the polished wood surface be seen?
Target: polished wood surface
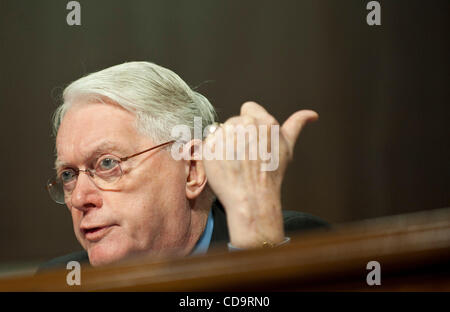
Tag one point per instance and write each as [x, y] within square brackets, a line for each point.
[413, 251]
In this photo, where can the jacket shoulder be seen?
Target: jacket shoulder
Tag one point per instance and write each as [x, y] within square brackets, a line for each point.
[296, 221]
[61, 262]
[293, 221]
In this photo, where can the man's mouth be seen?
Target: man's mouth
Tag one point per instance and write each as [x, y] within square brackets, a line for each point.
[96, 233]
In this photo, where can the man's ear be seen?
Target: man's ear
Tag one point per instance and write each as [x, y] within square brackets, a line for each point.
[196, 177]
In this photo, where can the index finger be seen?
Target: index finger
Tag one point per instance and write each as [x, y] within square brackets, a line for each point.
[255, 110]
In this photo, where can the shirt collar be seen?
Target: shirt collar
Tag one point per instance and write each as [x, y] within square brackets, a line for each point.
[205, 239]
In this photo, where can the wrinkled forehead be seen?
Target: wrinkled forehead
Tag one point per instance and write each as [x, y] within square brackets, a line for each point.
[88, 129]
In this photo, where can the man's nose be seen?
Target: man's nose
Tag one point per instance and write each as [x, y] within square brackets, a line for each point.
[86, 195]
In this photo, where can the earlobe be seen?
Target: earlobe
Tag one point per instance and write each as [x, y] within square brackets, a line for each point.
[196, 178]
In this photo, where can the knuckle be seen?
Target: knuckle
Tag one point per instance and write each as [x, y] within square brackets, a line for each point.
[271, 120]
[248, 120]
[248, 104]
[231, 120]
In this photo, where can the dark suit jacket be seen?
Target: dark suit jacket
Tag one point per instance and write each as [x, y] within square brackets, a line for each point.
[294, 222]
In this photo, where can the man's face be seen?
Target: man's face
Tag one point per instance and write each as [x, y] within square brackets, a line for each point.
[145, 210]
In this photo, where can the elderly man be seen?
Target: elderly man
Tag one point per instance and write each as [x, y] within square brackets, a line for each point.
[127, 193]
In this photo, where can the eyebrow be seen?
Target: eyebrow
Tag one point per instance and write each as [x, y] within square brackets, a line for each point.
[101, 148]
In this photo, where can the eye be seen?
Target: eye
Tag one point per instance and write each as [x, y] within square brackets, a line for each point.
[107, 163]
[67, 176]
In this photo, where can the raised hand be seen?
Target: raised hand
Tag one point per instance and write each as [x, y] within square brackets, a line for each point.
[250, 188]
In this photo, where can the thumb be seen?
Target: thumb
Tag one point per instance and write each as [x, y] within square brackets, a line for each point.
[292, 127]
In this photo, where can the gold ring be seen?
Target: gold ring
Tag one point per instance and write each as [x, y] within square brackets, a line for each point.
[213, 127]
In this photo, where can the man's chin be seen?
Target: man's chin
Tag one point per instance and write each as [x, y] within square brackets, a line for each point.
[100, 255]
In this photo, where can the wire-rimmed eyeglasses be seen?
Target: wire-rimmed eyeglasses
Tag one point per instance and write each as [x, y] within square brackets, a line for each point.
[106, 172]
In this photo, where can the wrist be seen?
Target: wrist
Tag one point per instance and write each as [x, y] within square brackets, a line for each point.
[286, 240]
[255, 231]
[253, 221]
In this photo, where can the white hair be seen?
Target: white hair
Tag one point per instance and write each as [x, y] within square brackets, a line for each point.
[159, 97]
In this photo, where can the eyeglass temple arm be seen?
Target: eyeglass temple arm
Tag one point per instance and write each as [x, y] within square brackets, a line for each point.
[147, 150]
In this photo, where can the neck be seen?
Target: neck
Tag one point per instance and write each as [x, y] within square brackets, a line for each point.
[200, 208]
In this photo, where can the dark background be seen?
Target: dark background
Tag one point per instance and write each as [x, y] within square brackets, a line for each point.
[381, 146]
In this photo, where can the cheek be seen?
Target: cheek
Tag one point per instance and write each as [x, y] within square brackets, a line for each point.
[77, 215]
[154, 187]
[143, 222]
[154, 214]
